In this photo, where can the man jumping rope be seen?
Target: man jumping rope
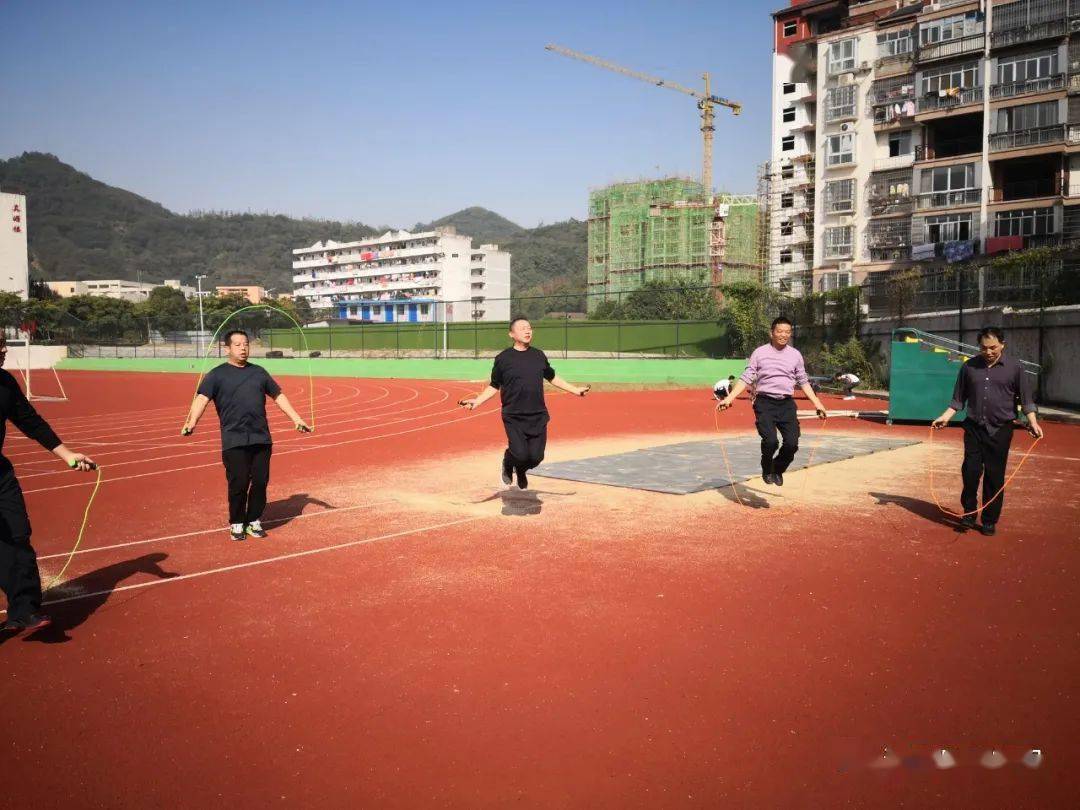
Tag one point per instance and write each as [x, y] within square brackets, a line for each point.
[990, 386]
[239, 390]
[775, 369]
[19, 577]
[518, 375]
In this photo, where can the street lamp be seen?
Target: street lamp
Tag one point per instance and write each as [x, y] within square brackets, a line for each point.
[198, 281]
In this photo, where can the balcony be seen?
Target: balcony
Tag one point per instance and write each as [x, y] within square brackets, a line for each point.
[1026, 189]
[1051, 29]
[1014, 89]
[895, 162]
[1023, 138]
[953, 47]
[953, 148]
[954, 97]
[948, 199]
[884, 203]
[838, 252]
[887, 235]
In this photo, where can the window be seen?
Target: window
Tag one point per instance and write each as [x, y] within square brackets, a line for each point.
[840, 149]
[900, 143]
[1026, 67]
[424, 309]
[833, 281]
[788, 88]
[840, 197]
[400, 309]
[949, 28]
[894, 43]
[790, 28]
[787, 200]
[786, 228]
[941, 79]
[789, 115]
[840, 103]
[1025, 222]
[948, 178]
[787, 171]
[948, 227]
[842, 55]
[838, 242]
[787, 143]
[1027, 116]
[376, 310]
[785, 256]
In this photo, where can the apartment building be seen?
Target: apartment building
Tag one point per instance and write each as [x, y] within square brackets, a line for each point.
[920, 132]
[401, 276]
[253, 294]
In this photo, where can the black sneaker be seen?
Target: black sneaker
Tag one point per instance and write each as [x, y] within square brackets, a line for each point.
[766, 477]
[778, 479]
[35, 621]
[967, 522]
[523, 480]
[507, 472]
[255, 530]
[988, 529]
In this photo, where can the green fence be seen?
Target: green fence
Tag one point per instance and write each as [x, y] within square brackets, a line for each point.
[672, 339]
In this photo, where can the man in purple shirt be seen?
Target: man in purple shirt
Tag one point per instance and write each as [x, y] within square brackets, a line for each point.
[776, 368]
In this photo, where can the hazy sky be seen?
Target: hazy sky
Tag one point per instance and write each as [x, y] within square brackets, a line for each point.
[387, 113]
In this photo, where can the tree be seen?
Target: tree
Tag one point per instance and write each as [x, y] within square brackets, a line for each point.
[747, 313]
[167, 310]
[902, 289]
[11, 310]
[660, 301]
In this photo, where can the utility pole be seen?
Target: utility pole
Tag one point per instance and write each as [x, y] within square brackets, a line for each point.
[198, 281]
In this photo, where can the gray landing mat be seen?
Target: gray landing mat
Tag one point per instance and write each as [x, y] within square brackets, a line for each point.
[680, 469]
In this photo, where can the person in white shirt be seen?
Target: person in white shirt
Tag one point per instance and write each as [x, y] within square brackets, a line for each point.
[848, 381]
[723, 387]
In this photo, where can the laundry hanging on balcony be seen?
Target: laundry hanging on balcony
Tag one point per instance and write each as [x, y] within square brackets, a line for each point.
[922, 252]
[959, 251]
[1000, 244]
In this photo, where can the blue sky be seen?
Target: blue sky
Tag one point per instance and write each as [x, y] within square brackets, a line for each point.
[378, 112]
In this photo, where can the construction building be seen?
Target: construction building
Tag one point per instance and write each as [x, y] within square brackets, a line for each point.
[401, 276]
[14, 259]
[669, 231]
[919, 132]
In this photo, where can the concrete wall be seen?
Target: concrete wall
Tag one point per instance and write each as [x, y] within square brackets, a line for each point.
[40, 357]
[14, 261]
[1060, 355]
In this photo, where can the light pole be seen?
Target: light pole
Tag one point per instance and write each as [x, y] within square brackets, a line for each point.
[198, 281]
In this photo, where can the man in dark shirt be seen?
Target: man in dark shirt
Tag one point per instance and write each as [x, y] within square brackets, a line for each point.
[989, 386]
[519, 373]
[239, 390]
[19, 577]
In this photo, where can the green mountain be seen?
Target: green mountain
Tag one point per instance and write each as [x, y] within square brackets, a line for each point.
[81, 228]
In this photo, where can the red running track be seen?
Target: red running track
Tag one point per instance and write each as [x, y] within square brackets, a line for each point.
[395, 646]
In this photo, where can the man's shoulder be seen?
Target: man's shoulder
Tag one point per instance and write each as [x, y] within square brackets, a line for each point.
[7, 378]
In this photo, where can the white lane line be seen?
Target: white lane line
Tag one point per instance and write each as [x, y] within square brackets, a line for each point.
[472, 415]
[216, 529]
[199, 448]
[279, 558]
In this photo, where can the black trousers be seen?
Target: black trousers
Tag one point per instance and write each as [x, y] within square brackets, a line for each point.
[777, 415]
[19, 577]
[985, 456]
[247, 469]
[526, 441]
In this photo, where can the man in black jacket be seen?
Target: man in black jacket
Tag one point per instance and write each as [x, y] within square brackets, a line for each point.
[990, 386]
[519, 373]
[19, 577]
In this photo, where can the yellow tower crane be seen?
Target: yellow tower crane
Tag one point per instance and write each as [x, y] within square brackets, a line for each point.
[706, 101]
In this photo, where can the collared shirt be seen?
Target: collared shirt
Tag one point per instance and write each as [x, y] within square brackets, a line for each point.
[775, 371]
[990, 393]
[239, 393]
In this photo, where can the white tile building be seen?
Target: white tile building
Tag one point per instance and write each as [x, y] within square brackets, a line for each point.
[14, 259]
[405, 277]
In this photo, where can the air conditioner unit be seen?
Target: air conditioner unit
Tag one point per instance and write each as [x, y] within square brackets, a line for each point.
[1074, 26]
[864, 66]
[845, 127]
[845, 266]
[846, 219]
[845, 79]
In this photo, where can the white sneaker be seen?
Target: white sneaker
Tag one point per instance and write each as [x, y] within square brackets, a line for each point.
[849, 397]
